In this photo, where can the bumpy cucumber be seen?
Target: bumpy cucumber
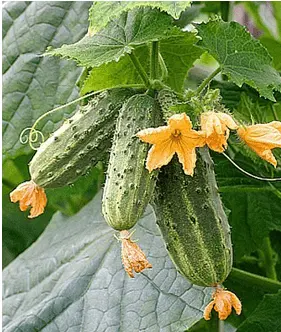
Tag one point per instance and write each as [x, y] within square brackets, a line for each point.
[129, 186]
[80, 142]
[193, 223]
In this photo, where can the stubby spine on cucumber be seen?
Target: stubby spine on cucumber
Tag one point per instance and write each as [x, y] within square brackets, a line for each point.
[129, 185]
[80, 142]
[193, 223]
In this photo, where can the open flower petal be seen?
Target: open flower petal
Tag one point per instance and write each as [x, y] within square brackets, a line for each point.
[30, 194]
[154, 135]
[160, 155]
[180, 122]
[223, 302]
[178, 137]
[262, 138]
[216, 126]
[133, 258]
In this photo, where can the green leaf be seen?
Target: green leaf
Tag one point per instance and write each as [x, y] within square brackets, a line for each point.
[179, 52]
[255, 206]
[32, 85]
[274, 48]
[73, 276]
[276, 11]
[102, 12]
[138, 26]
[266, 317]
[242, 58]
[114, 73]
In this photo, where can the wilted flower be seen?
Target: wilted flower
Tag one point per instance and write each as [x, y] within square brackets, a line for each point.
[222, 302]
[216, 126]
[30, 194]
[133, 257]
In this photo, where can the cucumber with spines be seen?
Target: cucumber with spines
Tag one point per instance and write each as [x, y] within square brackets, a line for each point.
[82, 141]
[129, 185]
[193, 223]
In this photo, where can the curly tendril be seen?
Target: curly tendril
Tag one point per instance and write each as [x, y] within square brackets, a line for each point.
[34, 136]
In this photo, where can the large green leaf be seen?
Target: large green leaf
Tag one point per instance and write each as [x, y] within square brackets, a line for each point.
[72, 279]
[102, 12]
[266, 317]
[115, 73]
[179, 52]
[33, 84]
[274, 48]
[242, 58]
[138, 26]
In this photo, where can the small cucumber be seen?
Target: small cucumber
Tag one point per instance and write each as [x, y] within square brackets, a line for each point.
[129, 185]
[193, 223]
[80, 142]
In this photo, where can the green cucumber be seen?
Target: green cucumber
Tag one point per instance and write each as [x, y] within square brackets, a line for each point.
[129, 185]
[80, 142]
[193, 223]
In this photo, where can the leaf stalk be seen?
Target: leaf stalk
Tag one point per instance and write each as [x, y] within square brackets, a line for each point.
[207, 80]
[140, 70]
[154, 60]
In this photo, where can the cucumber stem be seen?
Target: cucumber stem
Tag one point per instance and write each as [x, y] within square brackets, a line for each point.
[140, 70]
[269, 285]
[154, 60]
[221, 326]
[207, 80]
[269, 261]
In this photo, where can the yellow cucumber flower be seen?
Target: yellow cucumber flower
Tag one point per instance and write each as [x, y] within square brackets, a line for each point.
[216, 126]
[177, 137]
[30, 194]
[262, 138]
[222, 302]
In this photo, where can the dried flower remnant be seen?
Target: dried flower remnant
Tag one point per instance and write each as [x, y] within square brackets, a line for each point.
[223, 302]
[262, 138]
[133, 258]
[216, 125]
[178, 137]
[30, 194]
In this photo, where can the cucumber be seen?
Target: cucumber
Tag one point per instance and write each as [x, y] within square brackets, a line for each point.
[129, 186]
[79, 143]
[193, 223]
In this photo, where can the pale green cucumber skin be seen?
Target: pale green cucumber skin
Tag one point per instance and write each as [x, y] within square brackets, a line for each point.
[80, 142]
[192, 221]
[129, 186]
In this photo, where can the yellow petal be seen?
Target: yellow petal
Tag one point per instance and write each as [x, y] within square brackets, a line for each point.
[261, 138]
[160, 155]
[188, 159]
[207, 310]
[154, 135]
[276, 125]
[227, 120]
[29, 194]
[180, 122]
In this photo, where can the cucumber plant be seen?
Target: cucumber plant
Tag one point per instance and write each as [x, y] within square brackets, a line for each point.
[137, 56]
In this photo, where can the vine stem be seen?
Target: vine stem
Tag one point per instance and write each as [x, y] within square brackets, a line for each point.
[73, 102]
[269, 263]
[221, 326]
[154, 60]
[207, 80]
[249, 174]
[270, 285]
[140, 70]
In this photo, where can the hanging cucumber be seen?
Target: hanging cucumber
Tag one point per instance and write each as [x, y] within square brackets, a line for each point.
[129, 185]
[193, 223]
[79, 143]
